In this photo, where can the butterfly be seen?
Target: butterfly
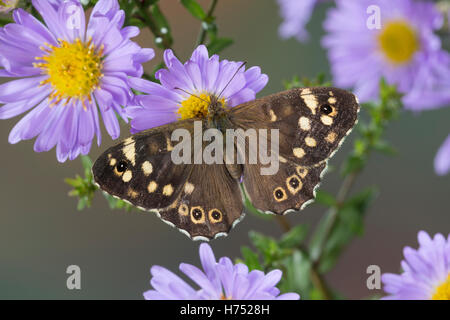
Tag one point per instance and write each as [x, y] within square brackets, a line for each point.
[205, 201]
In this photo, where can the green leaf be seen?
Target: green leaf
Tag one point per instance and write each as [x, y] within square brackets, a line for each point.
[250, 259]
[194, 8]
[350, 223]
[325, 198]
[266, 245]
[296, 274]
[219, 44]
[385, 147]
[294, 237]
[160, 19]
[116, 204]
[354, 163]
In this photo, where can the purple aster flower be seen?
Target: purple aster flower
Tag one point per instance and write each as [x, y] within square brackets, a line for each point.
[217, 281]
[296, 15]
[402, 48]
[67, 71]
[426, 271]
[442, 160]
[177, 97]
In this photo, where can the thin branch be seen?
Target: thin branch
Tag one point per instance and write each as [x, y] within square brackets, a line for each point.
[209, 15]
[285, 224]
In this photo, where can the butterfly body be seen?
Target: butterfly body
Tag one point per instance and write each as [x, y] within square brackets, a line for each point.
[204, 200]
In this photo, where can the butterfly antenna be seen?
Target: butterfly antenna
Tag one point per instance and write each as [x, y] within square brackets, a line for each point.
[234, 75]
[191, 94]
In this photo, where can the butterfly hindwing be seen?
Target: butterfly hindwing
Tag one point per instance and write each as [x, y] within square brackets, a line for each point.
[291, 188]
[209, 205]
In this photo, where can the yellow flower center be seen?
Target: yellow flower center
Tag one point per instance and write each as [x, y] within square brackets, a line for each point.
[443, 291]
[398, 41]
[196, 106]
[74, 69]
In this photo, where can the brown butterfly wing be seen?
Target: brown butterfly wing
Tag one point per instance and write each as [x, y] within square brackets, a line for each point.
[312, 123]
[151, 181]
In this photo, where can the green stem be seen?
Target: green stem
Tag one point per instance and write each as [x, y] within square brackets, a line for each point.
[209, 15]
[317, 279]
[163, 39]
[332, 218]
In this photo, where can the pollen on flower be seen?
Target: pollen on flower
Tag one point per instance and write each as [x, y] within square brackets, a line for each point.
[398, 42]
[443, 291]
[196, 106]
[74, 69]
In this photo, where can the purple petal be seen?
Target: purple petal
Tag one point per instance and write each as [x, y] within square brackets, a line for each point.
[442, 159]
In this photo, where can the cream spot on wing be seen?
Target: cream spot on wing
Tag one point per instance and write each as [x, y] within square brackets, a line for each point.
[132, 193]
[287, 110]
[357, 100]
[331, 93]
[310, 100]
[152, 186]
[273, 116]
[188, 187]
[332, 100]
[306, 91]
[302, 171]
[169, 144]
[168, 190]
[127, 176]
[130, 152]
[326, 120]
[331, 137]
[183, 209]
[304, 123]
[310, 142]
[147, 168]
[282, 159]
[299, 152]
[112, 162]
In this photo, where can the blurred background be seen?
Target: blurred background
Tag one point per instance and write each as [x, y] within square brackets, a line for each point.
[42, 233]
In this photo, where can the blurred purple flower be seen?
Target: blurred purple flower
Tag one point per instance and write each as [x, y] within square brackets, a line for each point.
[217, 281]
[67, 72]
[426, 271]
[201, 76]
[442, 160]
[404, 50]
[295, 14]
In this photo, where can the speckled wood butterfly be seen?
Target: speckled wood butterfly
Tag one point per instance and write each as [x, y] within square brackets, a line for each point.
[205, 201]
